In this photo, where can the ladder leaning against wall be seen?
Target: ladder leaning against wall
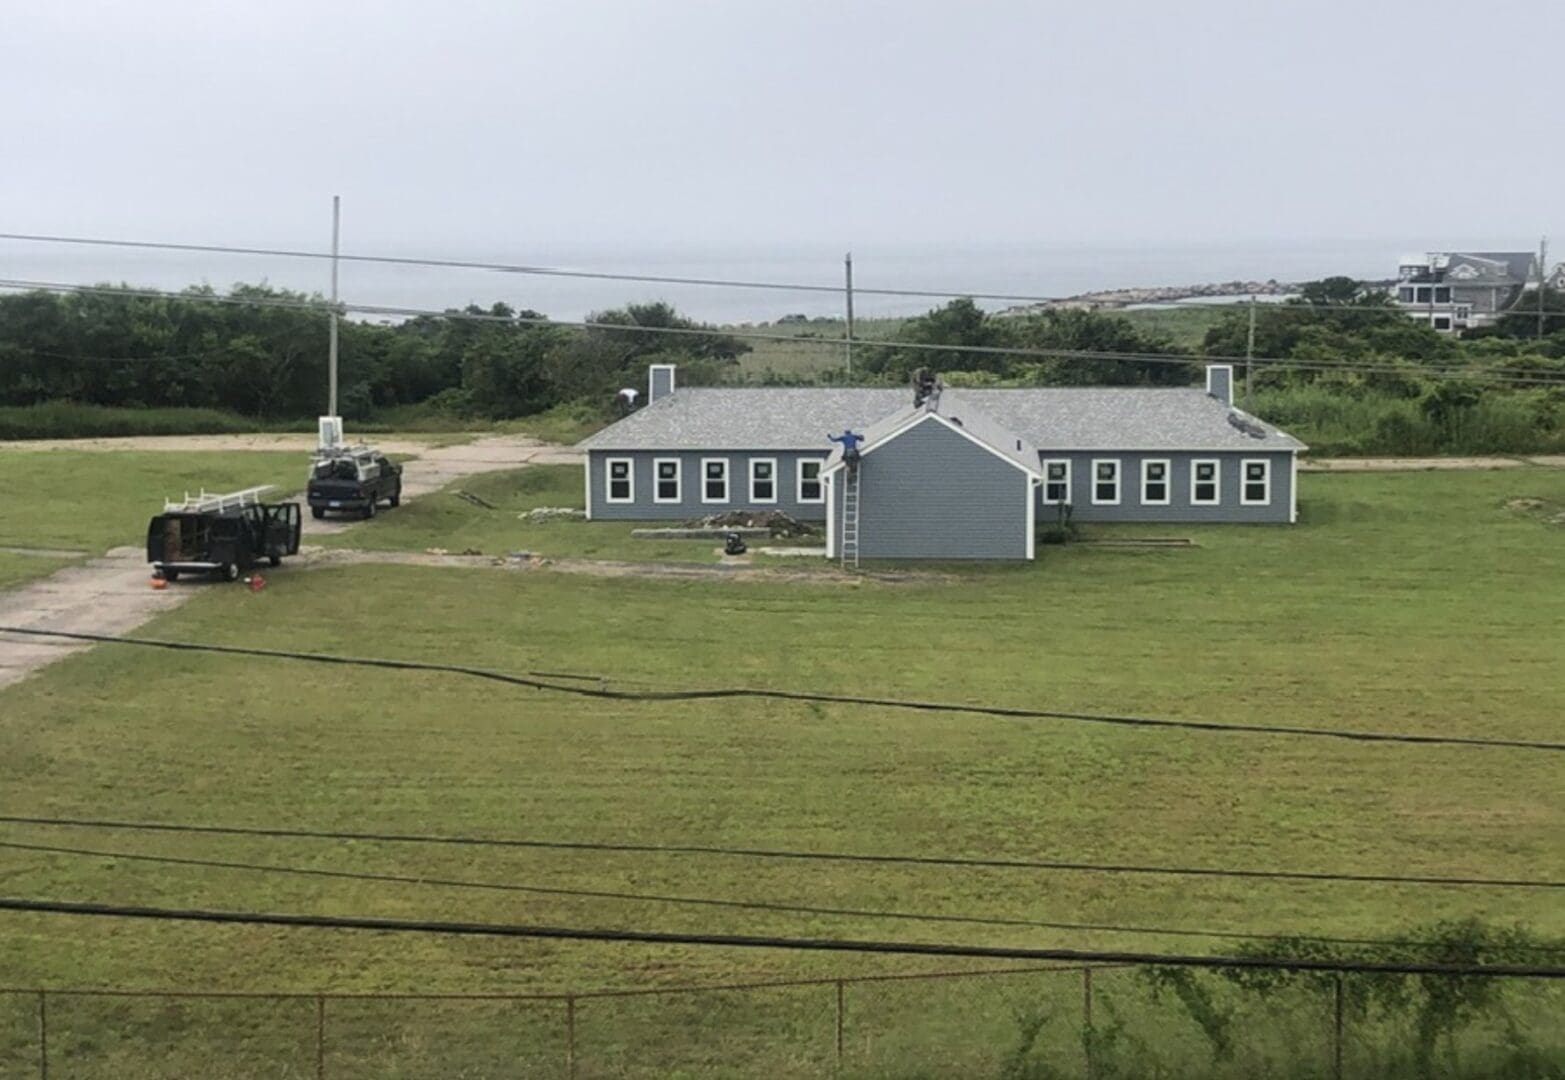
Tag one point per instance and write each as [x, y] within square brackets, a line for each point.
[850, 516]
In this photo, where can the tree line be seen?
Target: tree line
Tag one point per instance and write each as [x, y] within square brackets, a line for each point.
[261, 352]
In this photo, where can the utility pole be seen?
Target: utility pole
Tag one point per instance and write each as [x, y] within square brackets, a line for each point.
[847, 266]
[1249, 353]
[1543, 276]
[331, 348]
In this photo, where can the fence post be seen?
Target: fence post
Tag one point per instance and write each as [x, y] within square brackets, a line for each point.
[43, 1035]
[320, 1036]
[570, 1036]
[1336, 1053]
[1086, 1018]
[839, 1027]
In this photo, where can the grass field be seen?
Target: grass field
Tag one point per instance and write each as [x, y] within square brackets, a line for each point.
[17, 568]
[1402, 602]
[95, 501]
[446, 521]
[808, 355]
[1185, 326]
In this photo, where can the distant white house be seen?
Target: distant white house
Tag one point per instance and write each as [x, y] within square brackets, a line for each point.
[1459, 290]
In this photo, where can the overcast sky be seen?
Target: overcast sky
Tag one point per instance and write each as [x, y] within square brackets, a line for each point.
[669, 125]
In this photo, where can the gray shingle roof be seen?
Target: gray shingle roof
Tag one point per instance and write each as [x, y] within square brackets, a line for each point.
[1053, 418]
[965, 415]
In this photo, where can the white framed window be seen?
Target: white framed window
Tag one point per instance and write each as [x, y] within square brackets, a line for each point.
[1057, 482]
[665, 480]
[1105, 481]
[1206, 482]
[619, 476]
[714, 480]
[1156, 481]
[763, 480]
[1256, 489]
[810, 488]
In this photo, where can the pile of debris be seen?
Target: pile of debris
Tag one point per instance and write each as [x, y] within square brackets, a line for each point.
[776, 522]
[552, 513]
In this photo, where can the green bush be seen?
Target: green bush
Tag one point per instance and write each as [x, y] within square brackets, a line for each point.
[1338, 421]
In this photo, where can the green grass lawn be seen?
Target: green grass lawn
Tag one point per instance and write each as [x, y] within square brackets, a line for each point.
[1186, 326]
[94, 501]
[1402, 602]
[16, 568]
[444, 520]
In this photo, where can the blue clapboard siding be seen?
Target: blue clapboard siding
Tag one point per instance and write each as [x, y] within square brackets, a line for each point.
[1179, 509]
[932, 493]
[691, 479]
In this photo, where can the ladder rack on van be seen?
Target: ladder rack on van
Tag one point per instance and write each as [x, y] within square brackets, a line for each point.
[207, 503]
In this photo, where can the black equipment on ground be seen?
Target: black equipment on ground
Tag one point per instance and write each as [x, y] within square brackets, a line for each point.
[734, 544]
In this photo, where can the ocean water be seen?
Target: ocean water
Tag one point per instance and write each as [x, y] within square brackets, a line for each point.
[1031, 269]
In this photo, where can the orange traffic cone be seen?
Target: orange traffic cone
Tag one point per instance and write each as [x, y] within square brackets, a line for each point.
[159, 583]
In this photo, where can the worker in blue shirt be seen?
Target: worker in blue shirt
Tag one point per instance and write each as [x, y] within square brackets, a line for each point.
[850, 443]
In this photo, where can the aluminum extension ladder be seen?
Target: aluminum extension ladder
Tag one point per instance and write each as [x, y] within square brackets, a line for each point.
[850, 516]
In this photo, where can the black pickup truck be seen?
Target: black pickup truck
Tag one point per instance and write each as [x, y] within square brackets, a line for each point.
[354, 480]
[221, 534]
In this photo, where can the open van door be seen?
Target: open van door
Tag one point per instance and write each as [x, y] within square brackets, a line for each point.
[282, 530]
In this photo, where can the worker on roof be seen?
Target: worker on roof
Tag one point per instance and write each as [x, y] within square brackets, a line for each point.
[850, 440]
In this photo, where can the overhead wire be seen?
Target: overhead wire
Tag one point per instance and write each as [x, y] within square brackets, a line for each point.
[774, 907]
[607, 693]
[606, 275]
[757, 941]
[1506, 376]
[922, 860]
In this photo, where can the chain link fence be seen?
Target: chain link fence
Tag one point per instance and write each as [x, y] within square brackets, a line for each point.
[1026, 1024]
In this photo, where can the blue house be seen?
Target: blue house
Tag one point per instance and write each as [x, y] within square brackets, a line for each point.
[954, 474]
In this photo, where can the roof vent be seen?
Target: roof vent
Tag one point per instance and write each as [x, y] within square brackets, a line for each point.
[1245, 424]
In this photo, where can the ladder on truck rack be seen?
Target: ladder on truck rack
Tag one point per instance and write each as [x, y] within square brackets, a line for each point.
[850, 516]
[205, 503]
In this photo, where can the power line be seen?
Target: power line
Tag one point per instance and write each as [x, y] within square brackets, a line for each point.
[948, 861]
[749, 941]
[701, 901]
[1505, 376]
[729, 693]
[653, 279]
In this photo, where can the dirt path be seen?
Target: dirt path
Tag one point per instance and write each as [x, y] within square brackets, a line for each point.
[610, 568]
[111, 595]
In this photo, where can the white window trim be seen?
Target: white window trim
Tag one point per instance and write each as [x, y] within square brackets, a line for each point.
[1119, 481]
[1057, 502]
[657, 481]
[1168, 482]
[798, 481]
[1244, 482]
[751, 467]
[1217, 481]
[705, 480]
[608, 479]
